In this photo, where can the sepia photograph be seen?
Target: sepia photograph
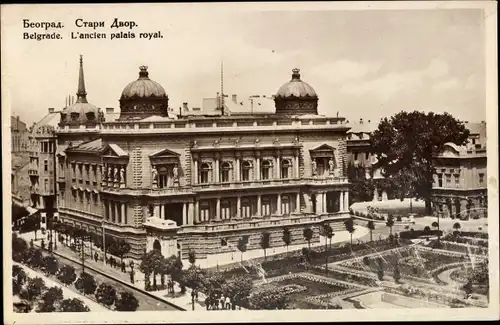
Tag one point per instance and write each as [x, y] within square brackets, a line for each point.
[234, 161]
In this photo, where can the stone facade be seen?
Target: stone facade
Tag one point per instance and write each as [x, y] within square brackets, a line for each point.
[460, 182]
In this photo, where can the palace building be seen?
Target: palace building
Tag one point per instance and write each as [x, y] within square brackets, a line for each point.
[180, 182]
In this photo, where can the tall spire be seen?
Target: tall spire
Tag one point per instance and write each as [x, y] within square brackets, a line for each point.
[81, 93]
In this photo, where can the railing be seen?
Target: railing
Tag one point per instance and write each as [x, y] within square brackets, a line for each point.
[270, 183]
[153, 192]
[262, 222]
[257, 124]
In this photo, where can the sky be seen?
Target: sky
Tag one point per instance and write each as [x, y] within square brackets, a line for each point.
[362, 63]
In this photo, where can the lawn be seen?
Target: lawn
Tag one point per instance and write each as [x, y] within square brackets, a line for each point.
[412, 262]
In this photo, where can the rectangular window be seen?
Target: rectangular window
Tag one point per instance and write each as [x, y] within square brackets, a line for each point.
[457, 180]
[356, 156]
[245, 210]
[46, 185]
[440, 180]
[367, 155]
[266, 207]
[285, 205]
[481, 178]
[46, 165]
[204, 213]
[225, 211]
[448, 180]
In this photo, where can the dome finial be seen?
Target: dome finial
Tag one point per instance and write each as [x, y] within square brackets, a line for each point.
[143, 73]
[81, 94]
[296, 74]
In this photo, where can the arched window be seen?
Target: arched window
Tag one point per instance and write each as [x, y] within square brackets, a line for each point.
[245, 170]
[225, 172]
[266, 169]
[157, 246]
[286, 167]
[204, 173]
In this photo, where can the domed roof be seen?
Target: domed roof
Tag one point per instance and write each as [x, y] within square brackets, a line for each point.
[296, 88]
[82, 111]
[143, 87]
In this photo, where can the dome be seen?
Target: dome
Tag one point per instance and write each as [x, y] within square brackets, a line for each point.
[143, 87]
[296, 97]
[81, 112]
[296, 88]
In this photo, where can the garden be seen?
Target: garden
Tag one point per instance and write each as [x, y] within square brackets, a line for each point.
[66, 275]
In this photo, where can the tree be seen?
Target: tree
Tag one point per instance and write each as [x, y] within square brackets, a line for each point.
[238, 287]
[149, 263]
[193, 277]
[329, 234]
[192, 257]
[51, 264]
[35, 288]
[213, 283]
[19, 248]
[86, 284]
[270, 299]
[19, 278]
[396, 273]
[408, 140]
[35, 258]
[67, 274]
[349, 226]
[174, 266]
[308, 235]
[122, 248]
[242, 246]
[73, 305]
[287, 238]
[127, 302]
[371, 226]
[265, 242]
[49, 300]
[390, 223]
[105, 294]
[457, 227]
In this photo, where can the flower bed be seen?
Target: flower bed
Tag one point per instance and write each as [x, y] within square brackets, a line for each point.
[301, 287]
[344, 275]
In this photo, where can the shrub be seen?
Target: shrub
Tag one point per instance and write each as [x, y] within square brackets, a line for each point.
[413, 234]
[398, 218]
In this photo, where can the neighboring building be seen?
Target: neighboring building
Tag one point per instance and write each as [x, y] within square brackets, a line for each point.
[460, 180]
[20, 183]
[362, 162]
[201, 182]
[19, 135]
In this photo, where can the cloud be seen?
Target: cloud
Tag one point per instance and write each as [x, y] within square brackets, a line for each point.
[448, 84]
[471, 82]
[344, 69]
[437, 69]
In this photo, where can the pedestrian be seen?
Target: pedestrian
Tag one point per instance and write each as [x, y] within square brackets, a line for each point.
[222, 301]
[216, 302]
[207, 302]
[123, 267]
[228, 303]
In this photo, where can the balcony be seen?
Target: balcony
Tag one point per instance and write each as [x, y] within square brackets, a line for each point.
[148, 192]
[289, 182]
[263, 222]
[32, 171]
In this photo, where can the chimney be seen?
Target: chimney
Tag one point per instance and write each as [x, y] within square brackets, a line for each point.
[360, 121]
[185, 106]
[51, 109]
[233, 97]
[110, 110]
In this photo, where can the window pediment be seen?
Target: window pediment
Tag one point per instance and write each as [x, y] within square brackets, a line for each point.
[323, 150]
[114, 151]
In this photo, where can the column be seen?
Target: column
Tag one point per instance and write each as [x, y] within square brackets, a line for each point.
[375, 195]
[278, 204]
[217, 210]
[324, 202]
[297, 202]
[117, 212]
[278, 174]
[259, 206]
[463, 208]
[196, 212]
[257, 169]
[341, 201]
[346, 201]
[156, 211]
[195, 172]
[160, 211]
[217, 178]
[190, 214]
[238, 168]
[238, 207]
[317, 199]
[184, 214]
[122, 216]
[296, 165]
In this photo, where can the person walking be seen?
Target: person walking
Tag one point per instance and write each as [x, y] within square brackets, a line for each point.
[228, 303]
[208, 302]
[222, 301]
